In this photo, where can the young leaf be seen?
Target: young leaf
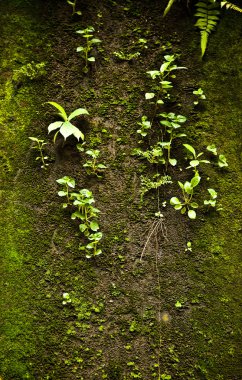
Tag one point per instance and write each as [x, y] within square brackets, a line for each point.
[77, 112]
[94, 225]
[61, 110]
[55, 125]
[149, 95]
[192, 214]
[190, 149]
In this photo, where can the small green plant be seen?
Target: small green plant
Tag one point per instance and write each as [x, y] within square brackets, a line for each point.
[148, 184]
[126, 56]
[39, 145]
[200, 96]
[187, 205]
[73, 5]
[212, 149]
[91, 165]
[66, 128]
[154, 155]
[67, 183]
[195, 162]
[145, 126]
[85, 212]
[88, 214]
[172, 123]
[212, 201]
[222, 161]
[164, 85]
[87, 49]
[188, 247]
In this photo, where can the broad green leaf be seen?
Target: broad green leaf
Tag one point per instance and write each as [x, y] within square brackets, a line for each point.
[82, 227]
[183, 210]
[174, 201]
[35, 139]
[192, 214]
[153, 73]
[61, 110]
[79, 48]
[91, 59]
[77, 112]
[69, 129]
[194, 205]
[181, 185]
[190, 149]
[160, 101]
[62, 193]
[195, 180]
[55, 125]
[213, 193]
[94, 225]
[98, 252]
[178, 207]
[194, 163]
[173, 161]
[149, 95]
[188, 187]
[95, 41]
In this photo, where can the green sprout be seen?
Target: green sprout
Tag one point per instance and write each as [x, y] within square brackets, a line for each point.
[39, 144]
[195, 162]
[67, 183]
[200, 96]
[91, 165]
[187, 205]
[87, 49]
[66, 128]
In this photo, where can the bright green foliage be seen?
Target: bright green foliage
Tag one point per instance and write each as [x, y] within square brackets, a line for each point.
[126, 56]
[187, 205]
[88, 214]
[195, 161]
[39, 144]
[164, 85]
[229, 5]
[145, 126]
[66, 182]
[171, 123]
[87, 49]
[200, 95]
[66, 128]
[222, 162]
[154, 155]
[85, 212]
[73, 5]
[208, 17]
[148, 184]
[212, 201]
[91, 165]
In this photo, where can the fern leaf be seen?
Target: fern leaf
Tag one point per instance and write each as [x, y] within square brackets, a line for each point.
[168, 7]
[208, 17]
[229, 5]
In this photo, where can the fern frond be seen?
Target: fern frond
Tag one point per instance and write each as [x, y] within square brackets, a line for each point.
[208, 17]
[229, 5]
[168, 7]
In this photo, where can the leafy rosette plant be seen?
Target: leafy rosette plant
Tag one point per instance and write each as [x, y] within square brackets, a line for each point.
[65, 127]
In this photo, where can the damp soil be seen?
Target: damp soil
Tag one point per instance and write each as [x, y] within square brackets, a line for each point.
[147, 307]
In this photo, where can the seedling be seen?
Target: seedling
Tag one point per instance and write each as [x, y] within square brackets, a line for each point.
[87, 49]
[187, 205]
[145, 126]
[155, 155]
[67, 183]
[39, 144]
[91, 165]
[212, 148]
[222, 162]
[172, 123]
[126, 56]
[73, 5]
[188, 247]
[195, 162]
[66, 128]
[148, 184]
[212, 201]
[200, 96]
[94, 238]
[165, 71]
